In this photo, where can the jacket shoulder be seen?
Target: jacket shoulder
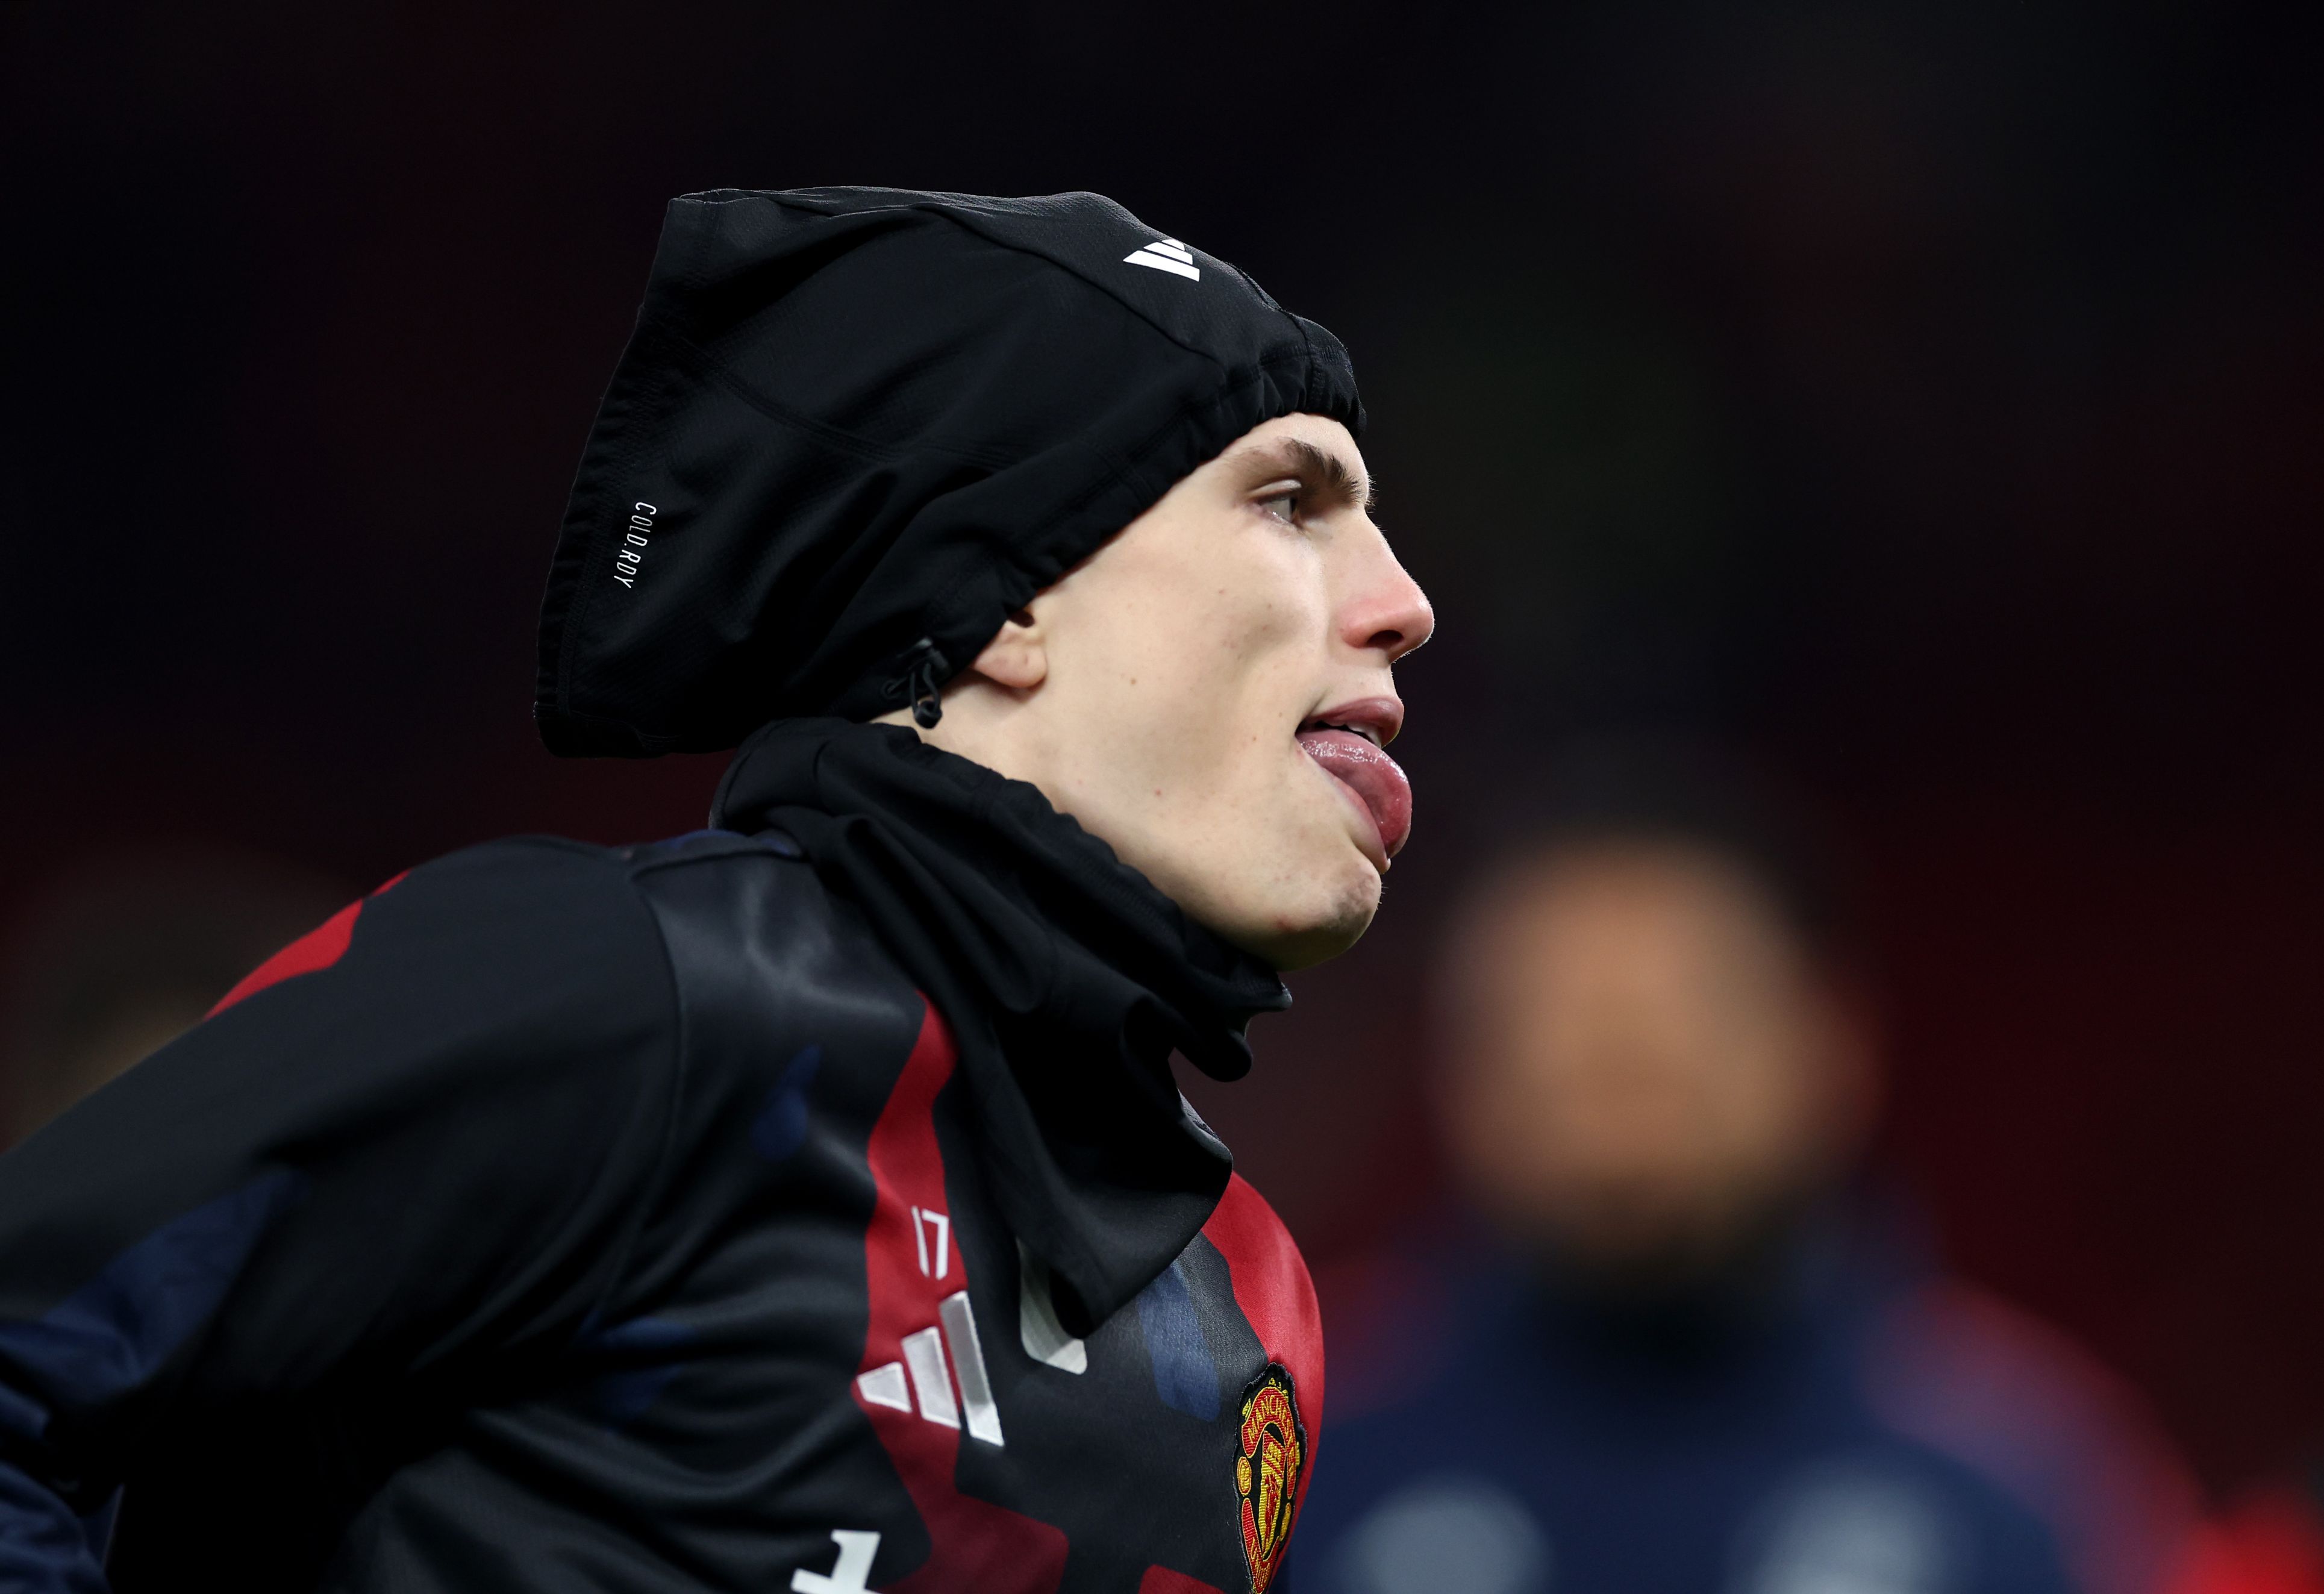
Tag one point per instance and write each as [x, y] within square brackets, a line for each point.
[596, 906]
[748, 933]
[765, 961]
[751, 909]
[515, 916]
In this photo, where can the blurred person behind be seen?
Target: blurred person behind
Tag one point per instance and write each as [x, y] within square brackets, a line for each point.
[1682, 1343]
[119, 956]
[2270, 1541]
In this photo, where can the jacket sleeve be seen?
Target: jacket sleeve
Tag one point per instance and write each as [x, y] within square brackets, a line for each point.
[417, 1136]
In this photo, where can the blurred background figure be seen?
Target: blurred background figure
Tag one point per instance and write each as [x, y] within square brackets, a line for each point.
[2271, 1541]
[119, 956]
[1685, 1344]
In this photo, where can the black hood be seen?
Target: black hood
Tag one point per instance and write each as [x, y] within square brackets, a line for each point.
[856, 428]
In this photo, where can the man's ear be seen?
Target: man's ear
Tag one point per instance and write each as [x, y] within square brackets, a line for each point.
[1018, 656]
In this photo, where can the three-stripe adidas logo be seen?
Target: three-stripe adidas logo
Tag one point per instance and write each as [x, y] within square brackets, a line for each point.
[923, 1377]
[930, 1382]
[1166, 254]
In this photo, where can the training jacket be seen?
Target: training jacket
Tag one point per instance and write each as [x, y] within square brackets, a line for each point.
[561, 1216]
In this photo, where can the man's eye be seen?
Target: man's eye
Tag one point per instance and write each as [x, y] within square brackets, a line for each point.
[1283, 506]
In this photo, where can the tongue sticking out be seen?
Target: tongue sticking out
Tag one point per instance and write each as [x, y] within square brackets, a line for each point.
[1374, 777]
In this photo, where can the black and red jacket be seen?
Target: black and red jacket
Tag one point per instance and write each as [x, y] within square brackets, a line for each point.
[560, 1218]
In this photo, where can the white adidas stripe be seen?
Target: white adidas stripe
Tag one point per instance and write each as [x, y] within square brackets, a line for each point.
[968, 1367]
[884, 1385]
[1166, 254]
[931, 1385]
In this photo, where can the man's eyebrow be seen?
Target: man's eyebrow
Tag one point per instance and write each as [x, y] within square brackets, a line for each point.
[1324, 471]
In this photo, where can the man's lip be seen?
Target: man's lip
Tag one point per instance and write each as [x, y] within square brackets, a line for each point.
[1382, 717]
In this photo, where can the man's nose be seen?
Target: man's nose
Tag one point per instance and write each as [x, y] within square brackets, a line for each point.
[1388, 613]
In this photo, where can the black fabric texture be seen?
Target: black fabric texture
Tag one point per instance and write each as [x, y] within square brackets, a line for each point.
[1067, 978]
[854, 428]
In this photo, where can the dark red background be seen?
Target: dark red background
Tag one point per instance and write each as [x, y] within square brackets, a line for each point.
[1926, 395]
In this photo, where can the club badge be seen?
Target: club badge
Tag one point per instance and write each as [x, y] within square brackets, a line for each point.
[1267, 1472]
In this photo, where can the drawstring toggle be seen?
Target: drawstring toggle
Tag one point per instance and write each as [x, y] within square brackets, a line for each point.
[923, 674]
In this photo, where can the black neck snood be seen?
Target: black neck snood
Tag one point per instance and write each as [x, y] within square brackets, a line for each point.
[1067, 980]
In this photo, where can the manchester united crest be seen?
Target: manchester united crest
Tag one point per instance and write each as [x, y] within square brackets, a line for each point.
[1268, 1471]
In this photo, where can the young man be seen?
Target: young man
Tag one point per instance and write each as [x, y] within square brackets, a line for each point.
[804, 1203]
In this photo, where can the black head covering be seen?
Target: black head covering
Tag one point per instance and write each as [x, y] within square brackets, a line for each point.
[855, 429]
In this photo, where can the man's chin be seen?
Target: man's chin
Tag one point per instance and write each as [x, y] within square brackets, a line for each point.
[1291, 941]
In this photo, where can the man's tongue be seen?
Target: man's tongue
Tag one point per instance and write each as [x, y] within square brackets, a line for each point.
[1371, 774]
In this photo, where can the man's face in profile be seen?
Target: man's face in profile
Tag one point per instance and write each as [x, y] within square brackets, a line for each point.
[1651, 1065]
[1213, 691]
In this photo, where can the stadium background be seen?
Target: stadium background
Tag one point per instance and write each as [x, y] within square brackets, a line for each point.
[1927, 396]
